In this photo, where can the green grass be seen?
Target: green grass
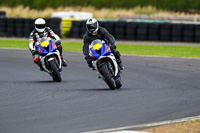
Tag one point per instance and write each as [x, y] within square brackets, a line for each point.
[160, 50]
[136, 49]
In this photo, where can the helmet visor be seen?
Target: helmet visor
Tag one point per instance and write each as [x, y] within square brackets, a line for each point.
[40, 26]
[92, 28]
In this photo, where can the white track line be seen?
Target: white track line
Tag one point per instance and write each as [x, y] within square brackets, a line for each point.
[136, 127]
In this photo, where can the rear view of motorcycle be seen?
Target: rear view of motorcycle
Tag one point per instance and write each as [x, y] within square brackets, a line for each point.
[104, 62]
[50, 58]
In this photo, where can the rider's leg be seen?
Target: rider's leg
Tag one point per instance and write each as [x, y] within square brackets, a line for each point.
[59, 47]
[118, 57]
[36, 60]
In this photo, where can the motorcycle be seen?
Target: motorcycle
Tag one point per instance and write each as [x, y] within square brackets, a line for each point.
[50, 58]
[105, 64]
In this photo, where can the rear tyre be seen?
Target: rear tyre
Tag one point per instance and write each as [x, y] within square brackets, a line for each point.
[108, 79]
[54, 79]
[56, 75]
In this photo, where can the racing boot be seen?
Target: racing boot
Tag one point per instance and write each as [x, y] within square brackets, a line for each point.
[59, 47]
[40, 67]
[117, 56]
[119, 62]
[64, 63]
[37, 61]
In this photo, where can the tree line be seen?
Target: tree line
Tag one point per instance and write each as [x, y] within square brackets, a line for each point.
[174, 5]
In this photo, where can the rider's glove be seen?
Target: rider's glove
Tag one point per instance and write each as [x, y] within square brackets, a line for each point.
[90, 64]
[58, 42]
[89, 61]
[34, 52]
[113, 47]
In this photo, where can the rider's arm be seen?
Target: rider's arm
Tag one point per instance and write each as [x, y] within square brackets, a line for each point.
[52, 34]
[31, 42]
[86, 45]
[108, 36]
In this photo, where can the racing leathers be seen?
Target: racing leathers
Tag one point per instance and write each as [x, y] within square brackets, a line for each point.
[103, 35]
[35, 36]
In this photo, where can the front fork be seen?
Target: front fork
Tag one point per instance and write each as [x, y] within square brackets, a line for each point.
[110, 69]
[112, 73]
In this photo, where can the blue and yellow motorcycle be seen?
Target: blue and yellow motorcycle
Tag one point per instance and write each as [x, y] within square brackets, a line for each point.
[104, 62]
[50, 58]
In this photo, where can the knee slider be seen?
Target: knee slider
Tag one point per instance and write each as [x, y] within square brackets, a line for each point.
[36, 60]
[59, 47]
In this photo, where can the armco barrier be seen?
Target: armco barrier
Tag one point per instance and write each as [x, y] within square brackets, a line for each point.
[2, 13]
[188, 33]
[165, 32]
[3, 26]
[130, 30]
[177, 32]
[144, 31]
[22, 27]
[121, 30]
[197, 33]
[154, 31]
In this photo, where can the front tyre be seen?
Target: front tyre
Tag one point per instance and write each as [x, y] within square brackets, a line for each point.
[118, 83]
[55, 74]
[108, 78]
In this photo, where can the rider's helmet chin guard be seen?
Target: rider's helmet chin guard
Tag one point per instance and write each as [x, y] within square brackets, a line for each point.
[40, 25]
[92, 26]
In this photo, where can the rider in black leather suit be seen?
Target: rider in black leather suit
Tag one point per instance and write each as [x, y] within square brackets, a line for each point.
[94, 31]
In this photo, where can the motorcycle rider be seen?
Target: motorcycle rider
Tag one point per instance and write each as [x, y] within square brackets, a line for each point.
[94, 31]
[40, 31]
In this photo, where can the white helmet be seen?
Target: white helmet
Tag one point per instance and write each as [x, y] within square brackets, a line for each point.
[40, 25]
[92, 26]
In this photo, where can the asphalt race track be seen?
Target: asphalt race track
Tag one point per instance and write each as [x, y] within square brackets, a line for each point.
[154, 89]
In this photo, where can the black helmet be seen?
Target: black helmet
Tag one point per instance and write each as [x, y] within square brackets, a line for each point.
[92, 26]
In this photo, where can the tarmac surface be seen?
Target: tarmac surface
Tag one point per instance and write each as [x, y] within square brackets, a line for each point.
[154, 89]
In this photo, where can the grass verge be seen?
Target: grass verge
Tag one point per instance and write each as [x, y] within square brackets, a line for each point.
[136, 49]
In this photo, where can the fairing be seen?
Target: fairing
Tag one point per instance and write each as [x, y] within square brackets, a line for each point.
[47, 48]
[102, 51]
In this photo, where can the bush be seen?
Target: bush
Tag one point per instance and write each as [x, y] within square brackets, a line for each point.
[175, 5]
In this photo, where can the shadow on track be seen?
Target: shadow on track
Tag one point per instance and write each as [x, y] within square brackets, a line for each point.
[104, 89]
[45, 81]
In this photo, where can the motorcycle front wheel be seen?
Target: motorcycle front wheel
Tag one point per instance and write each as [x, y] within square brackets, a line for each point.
[56, 75]
[108, 78]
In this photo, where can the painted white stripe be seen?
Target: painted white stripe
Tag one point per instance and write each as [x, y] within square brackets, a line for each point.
[136, 127]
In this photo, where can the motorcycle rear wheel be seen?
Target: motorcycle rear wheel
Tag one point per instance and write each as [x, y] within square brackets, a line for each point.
[56, 75]
[108, 79]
